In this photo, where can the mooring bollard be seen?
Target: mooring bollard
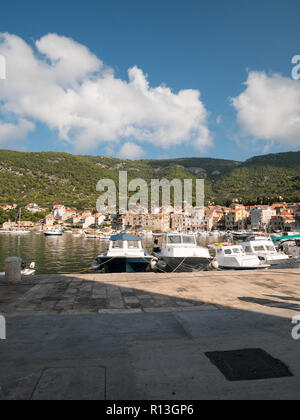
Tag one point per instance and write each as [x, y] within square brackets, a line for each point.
[13, 270]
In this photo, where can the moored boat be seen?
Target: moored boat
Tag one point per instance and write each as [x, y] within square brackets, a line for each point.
[264, 249]
[233, 257]
[125, 255]
[93, 235]
[54, 232]
[180, 253]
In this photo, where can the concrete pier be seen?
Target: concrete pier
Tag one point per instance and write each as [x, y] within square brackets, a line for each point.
[145, 336]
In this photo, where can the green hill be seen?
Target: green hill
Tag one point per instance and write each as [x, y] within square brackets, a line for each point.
[262, 179]
[48, 177]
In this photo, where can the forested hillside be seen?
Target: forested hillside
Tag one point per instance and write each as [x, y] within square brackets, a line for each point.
[47, 177]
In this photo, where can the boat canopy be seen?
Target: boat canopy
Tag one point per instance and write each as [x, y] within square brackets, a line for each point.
[125, 237]
[289, 237]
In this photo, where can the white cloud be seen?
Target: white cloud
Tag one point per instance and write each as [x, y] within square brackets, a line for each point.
[269, 109]
[62, 84]
[12, 132]
[130, 151]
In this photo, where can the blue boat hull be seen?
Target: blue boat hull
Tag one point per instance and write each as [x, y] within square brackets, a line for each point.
[123, 264]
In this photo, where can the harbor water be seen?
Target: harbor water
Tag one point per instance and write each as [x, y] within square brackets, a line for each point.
[65, 254]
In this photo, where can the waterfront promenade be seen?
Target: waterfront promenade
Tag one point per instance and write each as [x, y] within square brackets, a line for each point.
[144, 336]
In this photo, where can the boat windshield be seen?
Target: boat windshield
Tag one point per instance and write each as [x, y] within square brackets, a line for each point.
[189, 240]
[133, 244]
[236, 250]
[270, 248]
[118, 244]
[174, 239]
[259, 248]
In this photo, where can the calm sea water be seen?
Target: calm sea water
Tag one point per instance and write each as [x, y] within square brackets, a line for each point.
[65, 254]
[52, 255]
[57, 255]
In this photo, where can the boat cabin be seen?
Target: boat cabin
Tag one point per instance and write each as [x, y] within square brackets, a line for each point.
[179, 240]
[231, 256]
[226, 250]
[179, 245]
[125, 244]
[259, 245]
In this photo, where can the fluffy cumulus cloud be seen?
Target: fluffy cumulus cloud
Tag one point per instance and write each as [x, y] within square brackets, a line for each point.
[130, 151]
[62, 84]
[269, 109]
[17, 131]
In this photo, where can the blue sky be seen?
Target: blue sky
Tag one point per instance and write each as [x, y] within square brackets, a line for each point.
[210, 46]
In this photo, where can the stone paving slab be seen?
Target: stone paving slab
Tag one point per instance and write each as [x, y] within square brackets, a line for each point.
[150, 292]
[183, 372]
[145, 336]
[141, 356]
[71, 383]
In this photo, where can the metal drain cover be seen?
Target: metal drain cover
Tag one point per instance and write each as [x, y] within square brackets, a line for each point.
[248, 364]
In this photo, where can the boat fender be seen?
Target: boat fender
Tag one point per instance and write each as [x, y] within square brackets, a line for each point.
[153, 263]
[214, 265]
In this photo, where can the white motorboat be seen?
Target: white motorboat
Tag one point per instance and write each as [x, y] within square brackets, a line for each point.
[264, 249]
[240, 236]
[125, 255]
[180, 253]
[233, 257]
[54, 232]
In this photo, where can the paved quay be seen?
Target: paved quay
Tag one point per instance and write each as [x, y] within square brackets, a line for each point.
[145, 336]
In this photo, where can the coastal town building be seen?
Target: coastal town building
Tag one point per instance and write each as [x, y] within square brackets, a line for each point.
[7, 207]
[285, 221]
[281, 217]
[49, 220]
[14, 225]
[261, 216]
[34, 208]
[155, 222]
[58, 210]
[238, 218]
